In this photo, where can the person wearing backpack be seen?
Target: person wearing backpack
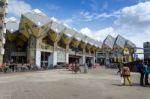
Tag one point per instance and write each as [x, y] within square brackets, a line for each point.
[126, 74]
[146, 72]
[140, 69]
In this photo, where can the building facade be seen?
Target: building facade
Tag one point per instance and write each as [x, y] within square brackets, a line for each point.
[116, 49]
[3, 11]
[43, 41]
[146, 46]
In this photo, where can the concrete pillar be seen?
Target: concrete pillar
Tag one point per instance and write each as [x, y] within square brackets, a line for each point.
[1, 59]
[67, 54]
[55, 54]
[93, 60]
[38, 58]
[84, 57]
[107, 59]
[82, 60]
[54, 58]
[31, 52]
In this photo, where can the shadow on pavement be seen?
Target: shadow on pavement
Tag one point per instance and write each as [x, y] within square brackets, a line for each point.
[134, 84]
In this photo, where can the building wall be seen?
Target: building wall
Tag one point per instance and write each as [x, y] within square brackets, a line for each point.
[146, 45]
[3, 6]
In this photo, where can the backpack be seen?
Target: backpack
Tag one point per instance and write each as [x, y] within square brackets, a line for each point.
[126, 71]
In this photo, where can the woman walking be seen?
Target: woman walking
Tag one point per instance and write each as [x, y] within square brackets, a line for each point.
[126, 75]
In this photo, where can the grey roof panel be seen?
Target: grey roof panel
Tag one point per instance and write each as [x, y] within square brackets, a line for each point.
[78, 35]
[38, 18]
[130, 44]
[109, 41]
[98, 43]
[57, 26]
[120, 41]
[91, 41]
[84, 39]
[69, 32]
[12, 26]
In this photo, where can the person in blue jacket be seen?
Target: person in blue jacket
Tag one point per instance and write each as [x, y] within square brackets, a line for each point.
[146, 72]
[140, 69]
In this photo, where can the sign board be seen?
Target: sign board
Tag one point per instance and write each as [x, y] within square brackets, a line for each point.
[135, 55]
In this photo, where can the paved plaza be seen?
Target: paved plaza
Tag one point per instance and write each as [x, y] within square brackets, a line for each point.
[99, 83]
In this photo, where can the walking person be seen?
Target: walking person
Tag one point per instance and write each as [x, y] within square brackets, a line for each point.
[119, 68]
[140, 68]
[126, 75]
[146, 72]
[148, 64]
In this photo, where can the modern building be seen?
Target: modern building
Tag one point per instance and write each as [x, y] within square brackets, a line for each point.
[113, 50]
[38, 39]
[43, 41]
[3, 11]
[146, 46]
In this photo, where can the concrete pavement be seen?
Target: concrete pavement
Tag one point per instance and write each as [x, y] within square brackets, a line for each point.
[99, 83]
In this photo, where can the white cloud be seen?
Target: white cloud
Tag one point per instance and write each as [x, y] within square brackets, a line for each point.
[16, 7]
[87, 16]
[135, 16]
[99, 34]
[134, 23]
[86, 31]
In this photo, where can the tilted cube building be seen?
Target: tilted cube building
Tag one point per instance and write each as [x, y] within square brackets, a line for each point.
[39, 40]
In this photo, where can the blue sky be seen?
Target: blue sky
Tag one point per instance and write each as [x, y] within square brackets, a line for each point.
[70, 9]
[95, 18]
[65, 9]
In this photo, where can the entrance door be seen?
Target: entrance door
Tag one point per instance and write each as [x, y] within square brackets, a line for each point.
[73, 59]
[44, 59]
